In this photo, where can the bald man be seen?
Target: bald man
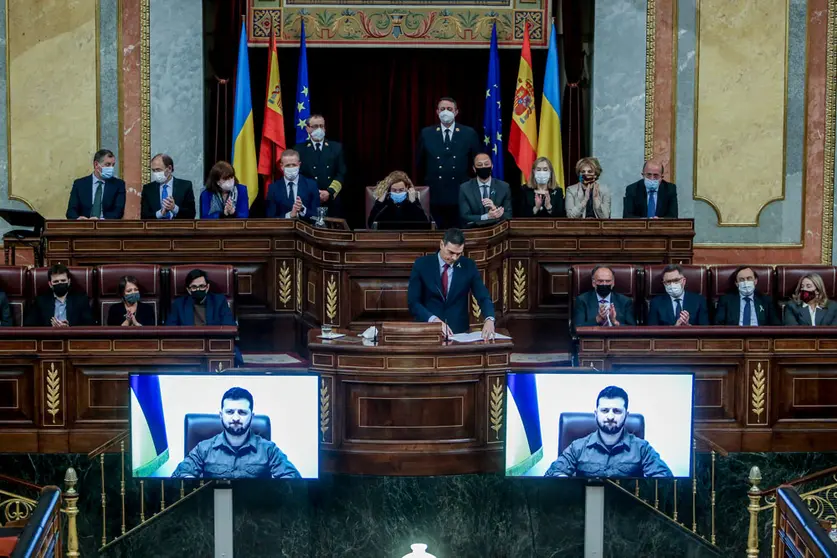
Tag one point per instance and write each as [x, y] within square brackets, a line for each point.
[652, 197]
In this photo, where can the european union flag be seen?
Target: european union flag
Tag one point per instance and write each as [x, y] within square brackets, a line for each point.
[303, 106]
[492, 122]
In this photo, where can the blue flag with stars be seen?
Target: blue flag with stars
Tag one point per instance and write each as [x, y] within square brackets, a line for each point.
[303, 107]
[492, 121]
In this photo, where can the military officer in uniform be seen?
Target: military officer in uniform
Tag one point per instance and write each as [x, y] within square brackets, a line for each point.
[445, 155]
[323, 162]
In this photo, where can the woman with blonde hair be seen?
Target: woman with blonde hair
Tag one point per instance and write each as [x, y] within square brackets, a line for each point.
[543, 197]
[396, 200]
[809, 304]
[588, 198]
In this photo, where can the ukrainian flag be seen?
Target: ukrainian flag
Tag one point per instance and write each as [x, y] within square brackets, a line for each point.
[549, 136]
[149, 443]
[524, 444]
[244, 137]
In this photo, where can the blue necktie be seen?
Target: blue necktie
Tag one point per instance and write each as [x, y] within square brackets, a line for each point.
[677, 310]
[165, 195]
[748, 312]
[652, 204]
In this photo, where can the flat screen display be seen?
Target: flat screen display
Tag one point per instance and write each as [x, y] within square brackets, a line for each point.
[567, 424]
[225, 426]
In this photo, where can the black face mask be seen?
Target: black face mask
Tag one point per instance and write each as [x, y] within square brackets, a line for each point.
[484, 172]
[198, 296]
[61, 289]
[603, 290]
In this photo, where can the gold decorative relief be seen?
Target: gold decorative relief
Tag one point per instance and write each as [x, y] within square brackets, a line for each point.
[331, 300]
[53, 391]
[496, 414]
[325, 407]
[285, 284]
[16, 508]
[299, 285]
[519, 284]
[759, 391]
[650, 75]
[505, 285]
[475, 308]
[830, 133]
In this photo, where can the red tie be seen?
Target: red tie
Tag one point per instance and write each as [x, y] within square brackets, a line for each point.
[445, 279]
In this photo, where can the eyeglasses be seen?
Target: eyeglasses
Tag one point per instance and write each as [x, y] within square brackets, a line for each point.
[196, 288]
[672, 281]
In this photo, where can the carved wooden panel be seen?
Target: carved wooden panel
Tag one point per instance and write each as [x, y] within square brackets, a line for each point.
[17, 398]
[808, 391]
[378, 299]
[101, 394]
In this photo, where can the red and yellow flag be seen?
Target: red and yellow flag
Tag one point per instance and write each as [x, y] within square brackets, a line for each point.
[273, 131]
[523, 138]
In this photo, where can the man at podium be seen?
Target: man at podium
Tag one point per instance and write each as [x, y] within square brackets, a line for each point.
[439, 287]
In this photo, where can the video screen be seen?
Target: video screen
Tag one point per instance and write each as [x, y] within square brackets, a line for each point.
[225, 426]
[563, 424]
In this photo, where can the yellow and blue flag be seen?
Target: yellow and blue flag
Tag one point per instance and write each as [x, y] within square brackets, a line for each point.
[303, 106]
[244, 137]
[524, 443]
[492, 121]
[549, 136]
[149, 443]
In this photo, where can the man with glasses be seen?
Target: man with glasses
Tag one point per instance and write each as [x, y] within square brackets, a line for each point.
[199, 307]
[60, 308]
[677, 307]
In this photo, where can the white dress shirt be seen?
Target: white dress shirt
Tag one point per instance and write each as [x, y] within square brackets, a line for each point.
[682, 299]
[318, 145]
[294, 190]
[452, 127]
[813, 313]
[173, 213]
[481, 185]
[754, 315]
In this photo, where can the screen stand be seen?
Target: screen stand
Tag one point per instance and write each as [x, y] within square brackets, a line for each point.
[223, 519]
[594, 499]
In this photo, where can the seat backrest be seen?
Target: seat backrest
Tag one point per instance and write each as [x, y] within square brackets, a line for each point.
[721, 281]
[150, 286]
[81, 281]
[697, 281]
[572, 426]
[13, 283]
[788, 276]
[423, 193]
[200, 427]
[222, 280]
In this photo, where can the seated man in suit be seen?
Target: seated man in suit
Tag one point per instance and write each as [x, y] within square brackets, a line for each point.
[746, 307]
[651, 197]
[439, 287]
[236, 453]
[322, 161]
[292, 195]
[167, 197]
[61, 308]
[602, 306]
[677, 307]
[484, 200]
[610, 451]
[100, 195]
[200, 307]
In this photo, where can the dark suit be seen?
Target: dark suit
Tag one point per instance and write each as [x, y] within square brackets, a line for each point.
[661, 311]
[145, 314]
[556, 198]
[729, 310]
[586, 308]
[636, 201]
[81, 198]
[388, 211]
[425, 298]
[218, 312]
[471, 209]
[41, 312]
[327, 168]
[797, 314]
[182, 194]
[445, 168]
[279, 204]
[6, 319]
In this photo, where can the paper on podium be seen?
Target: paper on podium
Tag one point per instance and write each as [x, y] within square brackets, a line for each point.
[474, 336]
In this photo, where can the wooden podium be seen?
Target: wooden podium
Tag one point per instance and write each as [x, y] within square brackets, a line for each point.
[408, 408]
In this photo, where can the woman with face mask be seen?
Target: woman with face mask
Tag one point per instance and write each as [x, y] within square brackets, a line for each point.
[130, 311]
[542, 197]
[809, 305]
[223, 197]
[587, 198]
[396, 200]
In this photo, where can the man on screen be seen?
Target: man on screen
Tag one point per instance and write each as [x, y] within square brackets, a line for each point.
[610, 451]
[236, 453]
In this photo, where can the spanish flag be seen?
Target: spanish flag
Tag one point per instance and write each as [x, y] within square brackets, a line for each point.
[549, 143]
[244, 138]
[273, 130]
[523, 137]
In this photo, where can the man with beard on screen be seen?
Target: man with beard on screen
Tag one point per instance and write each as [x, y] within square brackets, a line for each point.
[236, 453]
[611, 451]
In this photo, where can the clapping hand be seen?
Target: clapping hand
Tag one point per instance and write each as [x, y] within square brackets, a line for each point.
[496, 212]
[58, 323]
[486, 202]
[538, 201]
[167, 205]
[612, 314]
[683, 319]
[601, 317]
[229, 208]
[297, 207]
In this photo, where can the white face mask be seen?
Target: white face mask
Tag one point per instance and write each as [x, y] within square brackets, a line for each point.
[227, 185]
[747, 288]
[159, 177]
[675, 290]
[542, 177]
[291, 173]
[318, 134]
[446, 116]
